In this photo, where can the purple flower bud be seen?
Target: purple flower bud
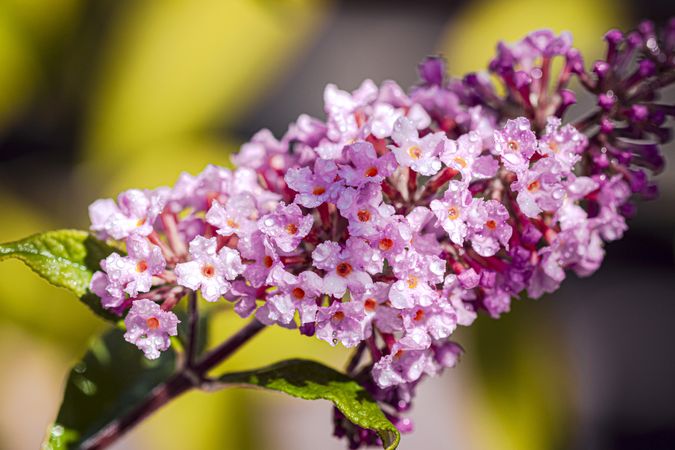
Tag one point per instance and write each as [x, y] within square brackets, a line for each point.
[634, 40]
[613, 37]
[638, 113]
[567, 99]
[432, 71]
[628, 210]
[606, 125]
[646, 28]
[601, 69]
[646, 68]
[606, 100]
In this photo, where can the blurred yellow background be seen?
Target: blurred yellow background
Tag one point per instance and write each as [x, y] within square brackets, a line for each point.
[97, 97]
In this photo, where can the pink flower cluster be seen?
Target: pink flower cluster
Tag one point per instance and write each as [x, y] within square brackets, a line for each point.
[395, 220]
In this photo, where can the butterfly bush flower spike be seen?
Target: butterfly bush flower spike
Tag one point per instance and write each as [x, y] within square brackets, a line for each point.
[403, 215]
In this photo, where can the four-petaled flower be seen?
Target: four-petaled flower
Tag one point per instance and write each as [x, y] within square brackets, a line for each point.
[210, 270]
[149, 327]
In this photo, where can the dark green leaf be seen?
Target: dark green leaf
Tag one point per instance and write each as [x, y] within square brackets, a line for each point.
[111, 379]
[312, 381]
[65, 258]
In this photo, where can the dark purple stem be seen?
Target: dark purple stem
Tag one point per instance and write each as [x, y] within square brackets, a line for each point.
[193, 322]
[222, 352]
[356, 358]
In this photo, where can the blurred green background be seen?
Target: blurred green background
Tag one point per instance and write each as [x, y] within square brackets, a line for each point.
[100, 96]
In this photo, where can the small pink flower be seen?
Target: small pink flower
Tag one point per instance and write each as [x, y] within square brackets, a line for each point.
[134, 213]
[314, 187]
[420, 154]
[149, 327]
[286, 226]
[488, 227]
[563, 143]
[238, 216]
[540, 188]
[515, 144]
[208, 269]
[453, 210]
[343, 270]
[462, 154]
[364, 209]
[342, 322]
[366, 166]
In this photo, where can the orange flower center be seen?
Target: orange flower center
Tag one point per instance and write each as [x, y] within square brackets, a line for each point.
[142, 266]
[363, 215]
[371, 172]
[140, 222]
[208, 271]
[268, 261]
[491, 224]
[534, 186]
[415, 152]
[419, 315]
[343, 269]
[453, 213]
[461, 161]
[513, 146]
[319, 190]
[385, 244]
[412, 282]
[232, 224]
[339, 315]
[152, 323]
[298, 293]
[292, 228]
[370, 304]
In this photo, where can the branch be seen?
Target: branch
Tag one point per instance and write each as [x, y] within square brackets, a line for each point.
[193, 322]
[227, 348]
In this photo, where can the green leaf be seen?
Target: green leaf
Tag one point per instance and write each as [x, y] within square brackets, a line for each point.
[111, 379]
[312, 381]
[65, 258]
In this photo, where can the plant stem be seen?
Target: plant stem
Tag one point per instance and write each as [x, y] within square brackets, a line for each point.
[356, 358]
[193, 323]
[224, 350]
[188, 377]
